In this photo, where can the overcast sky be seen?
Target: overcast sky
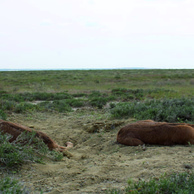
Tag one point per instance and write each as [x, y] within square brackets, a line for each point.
[51, 34]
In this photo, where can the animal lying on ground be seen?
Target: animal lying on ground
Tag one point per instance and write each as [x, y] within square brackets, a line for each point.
[158, 133]
[15, 130]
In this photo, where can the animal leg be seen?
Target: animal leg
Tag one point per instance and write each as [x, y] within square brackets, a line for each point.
[62, 148]
[130, 141]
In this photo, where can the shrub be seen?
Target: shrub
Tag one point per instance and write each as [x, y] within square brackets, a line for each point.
[12, 186]
[7, 105]
[21, 97]
[25, 148]
[175, 183]
[98, 102]
[58, 105]
[17, 107]
[79, 95]
[169, 110]
[140, 94]
[129, 94]
[61, 106]
[3, 116]
[75, 102]
[119, 91]
[95, 94]
[2, 92]
[24, 106]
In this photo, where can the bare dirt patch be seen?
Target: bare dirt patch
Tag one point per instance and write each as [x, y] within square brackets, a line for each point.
[98, 163]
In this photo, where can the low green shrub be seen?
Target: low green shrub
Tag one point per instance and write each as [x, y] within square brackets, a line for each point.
[2, 92]
[27, 147]
[20, 107]
[80, 95]
[61, 106]
[95, 94]
[3, 116]
[8, 105]
[141, 94]
[12, 186]
[21, 97]
[175, 183]
[75, 102]
[98, 102]
[57, 105]
[129, 94]
[169, 110]
[24, 106]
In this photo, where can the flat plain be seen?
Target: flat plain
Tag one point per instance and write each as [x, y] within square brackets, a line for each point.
[88, 107]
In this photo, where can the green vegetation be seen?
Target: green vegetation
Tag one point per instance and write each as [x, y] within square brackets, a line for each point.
[12, 186]
[160, 95]
[25, 148]
[175, 183]
[180, 80]
[170, 110]
[26, 96]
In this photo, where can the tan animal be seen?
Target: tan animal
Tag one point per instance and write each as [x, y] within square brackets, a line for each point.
[158, 133]
[15, 130]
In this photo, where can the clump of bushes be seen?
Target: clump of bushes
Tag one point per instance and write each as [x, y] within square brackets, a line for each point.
[169, 110]
[95, 94]
[80, 95]
[140, 94]
[175, 183]
[128, 94]
[98, 102]
[75, 102]
[7, 105]
[21, 97]
[57, 105]
[12, 186]
[25, 148]
[20, 103]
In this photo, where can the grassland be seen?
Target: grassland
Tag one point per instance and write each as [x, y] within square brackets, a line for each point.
[180, 81]
[88, 107]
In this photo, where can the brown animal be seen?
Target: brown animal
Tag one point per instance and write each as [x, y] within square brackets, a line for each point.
[158, 133]
[15, 130]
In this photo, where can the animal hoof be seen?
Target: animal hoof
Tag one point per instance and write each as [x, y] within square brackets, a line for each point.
[69, 145]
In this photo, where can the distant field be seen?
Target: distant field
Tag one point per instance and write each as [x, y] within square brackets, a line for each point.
[181, 81]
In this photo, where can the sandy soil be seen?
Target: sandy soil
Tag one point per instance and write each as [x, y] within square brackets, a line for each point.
[98, 163]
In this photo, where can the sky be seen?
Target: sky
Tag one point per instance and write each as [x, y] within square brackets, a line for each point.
[79, 34]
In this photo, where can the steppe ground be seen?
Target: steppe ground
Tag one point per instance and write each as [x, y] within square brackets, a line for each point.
[98, 163]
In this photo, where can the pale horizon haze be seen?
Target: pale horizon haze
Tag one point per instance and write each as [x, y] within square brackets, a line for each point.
[79, 34]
